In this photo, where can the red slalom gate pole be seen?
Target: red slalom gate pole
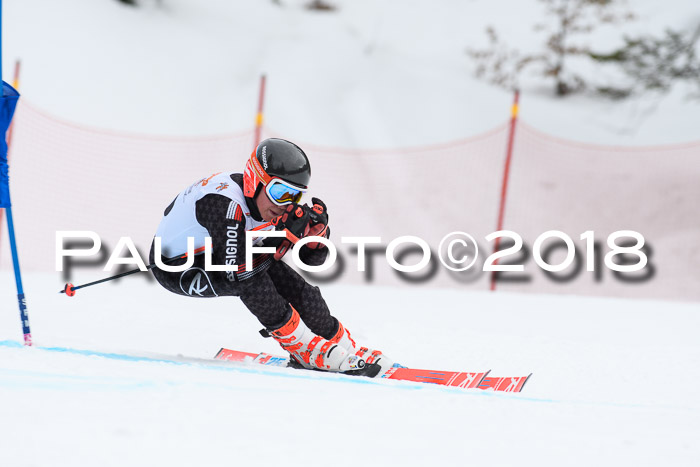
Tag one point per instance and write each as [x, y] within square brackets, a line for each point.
[259, 115]
[15, 84]
[506, 174]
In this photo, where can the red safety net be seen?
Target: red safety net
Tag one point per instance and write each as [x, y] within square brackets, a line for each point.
[71, 177]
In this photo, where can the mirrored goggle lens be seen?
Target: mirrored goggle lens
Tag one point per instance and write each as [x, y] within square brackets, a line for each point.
[283, 194]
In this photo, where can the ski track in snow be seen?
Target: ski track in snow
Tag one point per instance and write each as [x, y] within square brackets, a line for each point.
[46, 380]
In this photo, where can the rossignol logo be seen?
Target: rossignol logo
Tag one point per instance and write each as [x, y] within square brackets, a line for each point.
[195, 282]
[231, 249]
[196, 286]
[264, 157]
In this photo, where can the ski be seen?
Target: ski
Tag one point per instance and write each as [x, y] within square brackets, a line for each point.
[504, 383]
[458, 379]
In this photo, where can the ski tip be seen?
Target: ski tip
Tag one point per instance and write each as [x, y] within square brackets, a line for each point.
[525, 382]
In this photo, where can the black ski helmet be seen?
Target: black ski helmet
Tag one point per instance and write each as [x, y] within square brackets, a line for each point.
[276, 158]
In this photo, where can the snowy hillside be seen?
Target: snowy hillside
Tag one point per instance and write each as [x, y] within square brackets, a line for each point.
[372, 74]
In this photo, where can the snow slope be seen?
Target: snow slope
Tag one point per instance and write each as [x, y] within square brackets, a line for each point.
[614, 382]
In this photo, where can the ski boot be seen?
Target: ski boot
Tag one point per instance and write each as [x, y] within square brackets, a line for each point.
[316, 353]
[371, 357]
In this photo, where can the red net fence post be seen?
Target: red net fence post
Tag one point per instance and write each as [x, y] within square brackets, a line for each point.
[259, 116]
[504, 184]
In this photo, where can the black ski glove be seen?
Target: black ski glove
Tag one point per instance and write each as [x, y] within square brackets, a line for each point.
[295, 223]
[318, 223]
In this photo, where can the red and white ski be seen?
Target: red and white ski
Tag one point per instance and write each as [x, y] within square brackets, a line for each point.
[459, 379]
[504, 383]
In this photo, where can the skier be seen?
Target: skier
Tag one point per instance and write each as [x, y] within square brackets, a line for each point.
[226, 205]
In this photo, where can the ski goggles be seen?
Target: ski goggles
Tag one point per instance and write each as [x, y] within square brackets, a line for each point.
[282, 193]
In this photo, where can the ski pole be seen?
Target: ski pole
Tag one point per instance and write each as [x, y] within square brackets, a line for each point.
[70, 289]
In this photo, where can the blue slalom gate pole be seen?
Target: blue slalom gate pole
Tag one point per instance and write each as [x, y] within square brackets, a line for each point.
[23, 314]
[8, 101]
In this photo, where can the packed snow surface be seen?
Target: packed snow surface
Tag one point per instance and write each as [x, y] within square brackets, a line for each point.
[614, 382]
